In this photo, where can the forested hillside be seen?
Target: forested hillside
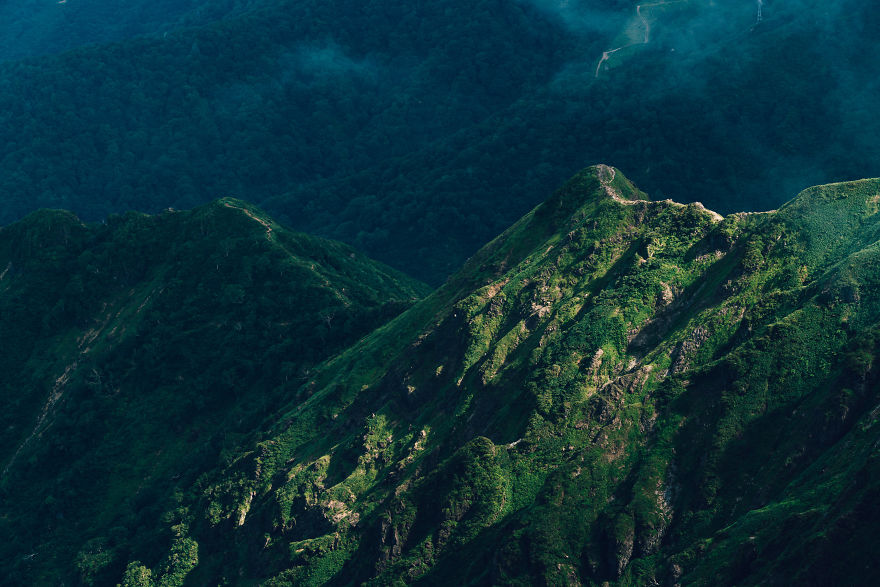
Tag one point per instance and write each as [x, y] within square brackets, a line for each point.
[37, 28]
[616, 390]
[613, 391]
[417, 130]
[138, 353]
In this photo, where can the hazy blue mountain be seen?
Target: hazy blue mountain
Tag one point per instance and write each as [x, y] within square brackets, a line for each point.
[417, 130]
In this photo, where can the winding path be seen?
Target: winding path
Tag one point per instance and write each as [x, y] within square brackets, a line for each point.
[251, 215]
[606, 175]
[647, 36]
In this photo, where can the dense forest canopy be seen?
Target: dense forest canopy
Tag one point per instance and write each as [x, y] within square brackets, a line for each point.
[417, 130]
[42, 27]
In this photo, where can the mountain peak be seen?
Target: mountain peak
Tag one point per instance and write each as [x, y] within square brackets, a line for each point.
[570, 406]
[612, 390]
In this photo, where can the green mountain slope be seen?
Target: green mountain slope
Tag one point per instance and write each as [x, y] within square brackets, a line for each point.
[138, 353]
[613, 390]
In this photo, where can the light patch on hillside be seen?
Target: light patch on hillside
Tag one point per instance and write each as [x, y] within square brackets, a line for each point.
[331, 59]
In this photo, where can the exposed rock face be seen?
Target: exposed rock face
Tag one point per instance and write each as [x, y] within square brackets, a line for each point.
[621, 541]
[683, 353]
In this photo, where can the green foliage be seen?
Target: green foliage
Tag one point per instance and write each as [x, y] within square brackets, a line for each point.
[133, 370]
[93, 559]
[180, 560]
[137, 575]
[622, 392]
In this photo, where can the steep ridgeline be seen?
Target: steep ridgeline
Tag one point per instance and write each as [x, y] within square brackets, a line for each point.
[138, 353]
[612, 390]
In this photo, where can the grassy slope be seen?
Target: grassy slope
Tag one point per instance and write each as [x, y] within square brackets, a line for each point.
[137, 353]
[605, 392]
[608, 391]
[612, 390]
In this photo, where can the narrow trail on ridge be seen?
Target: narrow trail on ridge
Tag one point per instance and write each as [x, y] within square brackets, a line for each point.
[270, 236]
[645, 39]
[251, 215]
[607, 175]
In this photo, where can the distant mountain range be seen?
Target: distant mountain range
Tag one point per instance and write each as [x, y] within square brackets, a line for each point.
[613, 391]
[418, 130]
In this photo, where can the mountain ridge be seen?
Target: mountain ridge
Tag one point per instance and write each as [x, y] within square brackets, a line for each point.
[613, 390]
[418, 131]
[139, 350]
[459, 324]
